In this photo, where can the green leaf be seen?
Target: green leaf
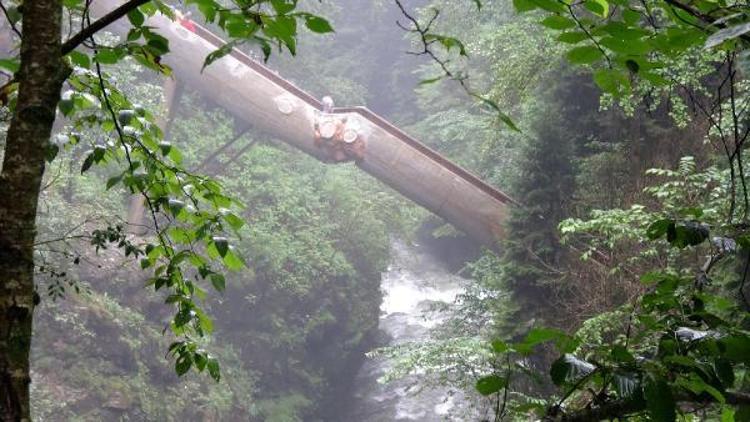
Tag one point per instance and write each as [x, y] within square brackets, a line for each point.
[136, 18]
[569, 368]
[695, 212]
[218, 281]
[625, 46]
[213, 369]
[157, 44]
[584, 55]
[695, 384]
[51, 152]
[597, 7]
[208, 8]
[652, 277]
[125, 116]
[265, 46]
[175, 155]
[150, 9]
[687, 233]
[727, 414]
[572, 37]
[165, 147]
[608, 80]
[742, 413]
[183, 317]
[233, 261]
[550, 5]
[735, 348]
[108, 56]
[490, 384]
[239, 27]
[87, 162]
[282, 7]
[235, 222]
[523, 5]
[660, 403]
[621, 354]
[508, 121]
[11, 65]
[622, 31]
[537, 336]
[540, 335]
[222, 245]
[175, 347]
[160, 282]
[318, 25]
[14, 14]
[134, 34]
[501, 115]
[175, 206]
[200, 360]
[725, 372]
[205, 323]
[659, 228]
[66, 106]
[499, 346]
[558, 22]
[219, 53]
[175, 298]
[80, 59]
[284, 29]
[430, 81]
[448, 43]
[631, 17]
[182, 365]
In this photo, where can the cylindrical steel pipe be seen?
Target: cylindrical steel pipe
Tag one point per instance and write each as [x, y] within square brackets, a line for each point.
[252, 92]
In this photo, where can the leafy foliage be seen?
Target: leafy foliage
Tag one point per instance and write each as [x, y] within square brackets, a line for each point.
[643, 53]
[632, 40]
[682, 341]
[192, 217]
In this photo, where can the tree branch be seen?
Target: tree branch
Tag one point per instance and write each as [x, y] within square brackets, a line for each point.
[691, 10]
[706, 19]
[77, 39]
[10, 22]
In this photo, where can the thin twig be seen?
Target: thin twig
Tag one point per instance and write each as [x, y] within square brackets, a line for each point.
[588, 34]
[10, 22]
[92, 28]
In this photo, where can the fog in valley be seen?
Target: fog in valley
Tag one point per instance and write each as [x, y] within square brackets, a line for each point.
[374, 211]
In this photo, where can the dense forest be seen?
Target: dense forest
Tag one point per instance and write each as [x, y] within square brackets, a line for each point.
[187, 235]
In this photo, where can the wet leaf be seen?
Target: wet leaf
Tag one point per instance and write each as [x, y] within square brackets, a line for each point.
[490, 384]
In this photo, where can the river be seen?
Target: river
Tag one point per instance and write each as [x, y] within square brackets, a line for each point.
[413, 282]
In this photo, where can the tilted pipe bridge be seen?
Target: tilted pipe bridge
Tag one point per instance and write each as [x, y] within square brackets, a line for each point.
[255, 94]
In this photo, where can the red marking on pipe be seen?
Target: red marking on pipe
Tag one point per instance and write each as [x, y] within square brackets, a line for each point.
[188, 24]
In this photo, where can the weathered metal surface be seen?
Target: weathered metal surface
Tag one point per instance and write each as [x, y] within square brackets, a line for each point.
[254, 93]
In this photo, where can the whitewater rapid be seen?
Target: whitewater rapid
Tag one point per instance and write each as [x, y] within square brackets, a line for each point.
[413, 283]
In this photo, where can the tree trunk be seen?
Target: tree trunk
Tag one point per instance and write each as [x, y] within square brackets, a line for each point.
[40, 78]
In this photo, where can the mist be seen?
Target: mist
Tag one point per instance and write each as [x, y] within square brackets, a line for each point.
[377, 211]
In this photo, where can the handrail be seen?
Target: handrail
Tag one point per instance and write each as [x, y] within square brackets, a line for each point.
[362, 111]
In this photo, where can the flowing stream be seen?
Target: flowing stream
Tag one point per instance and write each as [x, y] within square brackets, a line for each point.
[413, 282]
